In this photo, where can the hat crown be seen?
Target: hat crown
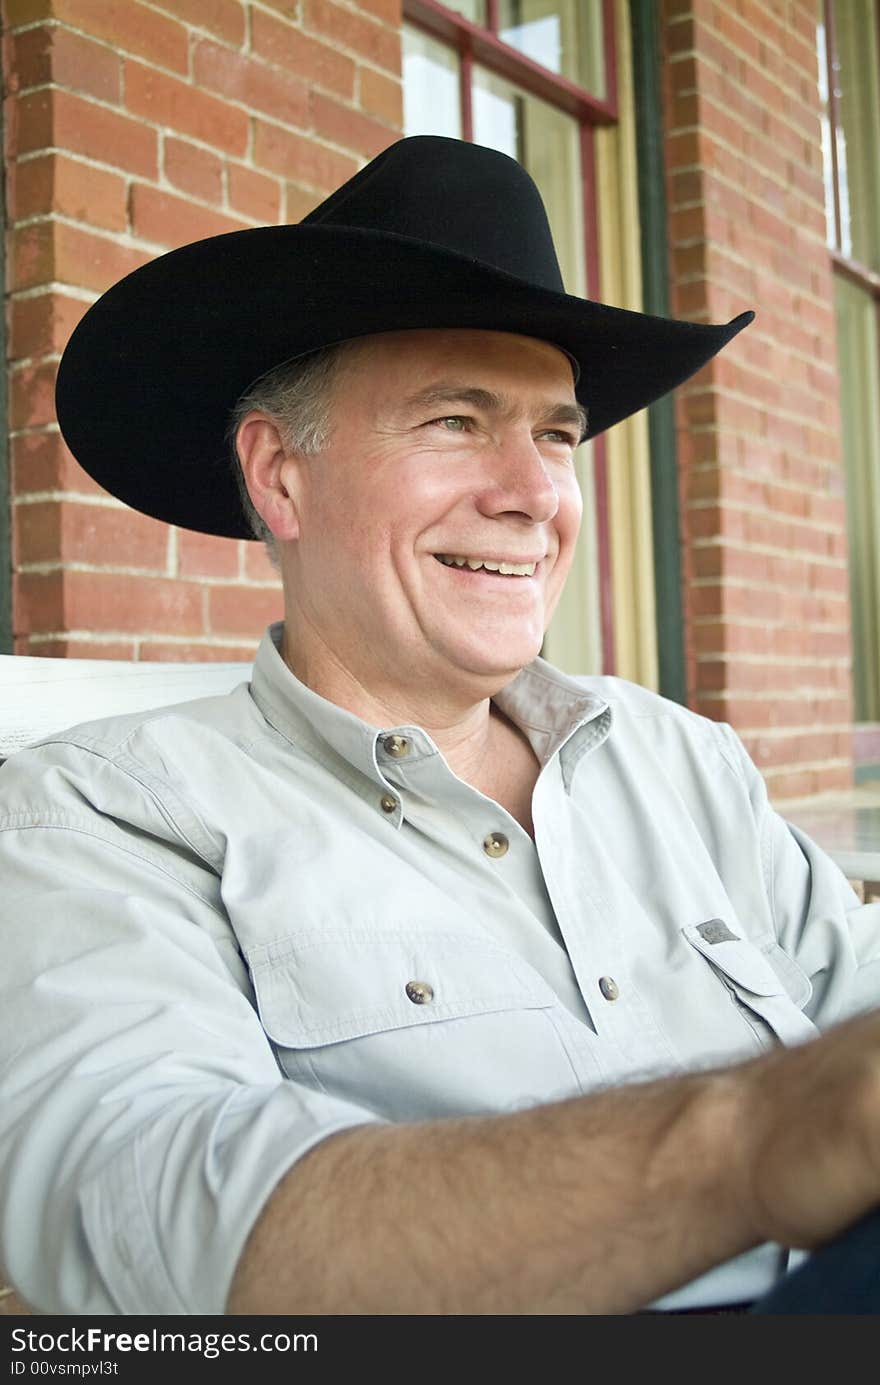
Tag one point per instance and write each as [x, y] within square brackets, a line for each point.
[465, 198]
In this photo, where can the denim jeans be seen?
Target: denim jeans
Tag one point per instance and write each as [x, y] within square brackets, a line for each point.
[841, 1277]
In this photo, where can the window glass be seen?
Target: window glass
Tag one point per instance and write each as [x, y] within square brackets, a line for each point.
[858, 82]
[825, 124]
[546, 142]
[474, 10]
[860, 424]
[431, 96]
[562, 35]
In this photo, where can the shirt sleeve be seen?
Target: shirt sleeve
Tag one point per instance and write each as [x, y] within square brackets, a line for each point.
[818, 916]
[144, 1121]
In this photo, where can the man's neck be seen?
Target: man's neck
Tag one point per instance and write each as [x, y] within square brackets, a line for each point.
[480, 745]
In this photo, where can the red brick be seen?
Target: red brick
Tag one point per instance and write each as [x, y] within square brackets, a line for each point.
[116, 537]
[32, 255]
[37, 602]
[298, 202]
[27, 60]
[129, 27]
[36, 533]
[349, 127]
[204, 555]
[67, 59]
[17, 12]
[184, 109]
[154, 651]
[56, 183]
[387, 10]
[43, 462]
[80, 648]
[44, 251]
[91, 261]
[798, 783]
[118, 603]
[193, 170]
[828, 577]
[74, 533]
[796, 747]
[60, 118]
[348, 30]
[224, 18]
[243, 610]
[172, 221]
[258, 566]
[299, 158]
[34, 114]
[254, 195]
[685, 112]
[32, 395]
[280, 42]
[680, 36]
[381, 96]
[239, 77]
[42, 324]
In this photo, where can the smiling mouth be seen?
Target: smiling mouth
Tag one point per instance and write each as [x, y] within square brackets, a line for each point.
[504, 569]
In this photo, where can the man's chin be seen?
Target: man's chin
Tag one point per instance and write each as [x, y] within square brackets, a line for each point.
[498, 668]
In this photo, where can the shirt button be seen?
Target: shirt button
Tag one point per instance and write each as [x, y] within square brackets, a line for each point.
[387, 803]
[419, 992]
[495, 844]
[396, 746]
[609, 987]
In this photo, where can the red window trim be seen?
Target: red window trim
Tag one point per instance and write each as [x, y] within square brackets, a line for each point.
[483, 45]
[857, 273]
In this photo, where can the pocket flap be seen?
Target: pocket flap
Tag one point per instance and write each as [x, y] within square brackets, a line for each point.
[321, 989]
[739, 959]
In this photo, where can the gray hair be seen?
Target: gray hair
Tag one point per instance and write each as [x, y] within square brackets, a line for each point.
[298, 396]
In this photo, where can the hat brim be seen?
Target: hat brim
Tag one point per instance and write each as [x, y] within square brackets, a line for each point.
[150, 376]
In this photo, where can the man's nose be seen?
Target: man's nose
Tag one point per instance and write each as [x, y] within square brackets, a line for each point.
[519, 482]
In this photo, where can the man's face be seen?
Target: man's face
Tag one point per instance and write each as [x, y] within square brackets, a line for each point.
[449, 449]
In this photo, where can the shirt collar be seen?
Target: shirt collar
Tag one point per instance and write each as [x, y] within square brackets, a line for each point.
[556, 712]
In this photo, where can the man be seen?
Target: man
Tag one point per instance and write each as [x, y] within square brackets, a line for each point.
[416, 976]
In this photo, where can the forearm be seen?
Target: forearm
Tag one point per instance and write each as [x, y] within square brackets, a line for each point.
[596, 1205]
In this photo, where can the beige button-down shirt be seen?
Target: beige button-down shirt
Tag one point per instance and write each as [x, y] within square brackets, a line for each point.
[233, 927]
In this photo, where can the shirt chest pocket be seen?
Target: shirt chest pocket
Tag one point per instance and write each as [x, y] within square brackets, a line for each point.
[410, 1025]
[773, 992]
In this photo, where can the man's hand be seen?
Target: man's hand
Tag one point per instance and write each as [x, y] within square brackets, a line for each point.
[812, 1139]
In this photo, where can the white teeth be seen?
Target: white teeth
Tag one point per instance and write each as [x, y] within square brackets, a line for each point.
[505, 569]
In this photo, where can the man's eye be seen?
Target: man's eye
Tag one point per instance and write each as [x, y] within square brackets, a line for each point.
[454, 423]
[560, 435]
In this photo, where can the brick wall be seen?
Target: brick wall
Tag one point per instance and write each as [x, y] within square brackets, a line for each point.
[763, 512]
[132, 128]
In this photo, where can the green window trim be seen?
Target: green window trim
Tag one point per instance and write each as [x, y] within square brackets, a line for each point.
[645, 24]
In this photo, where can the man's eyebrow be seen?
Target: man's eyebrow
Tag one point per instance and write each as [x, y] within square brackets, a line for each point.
[490, 402]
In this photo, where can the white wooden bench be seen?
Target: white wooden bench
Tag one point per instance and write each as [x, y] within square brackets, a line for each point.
[39, 696]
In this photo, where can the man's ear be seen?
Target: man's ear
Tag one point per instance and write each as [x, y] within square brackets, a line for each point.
[270, 473]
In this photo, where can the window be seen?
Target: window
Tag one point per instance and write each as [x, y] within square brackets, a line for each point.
[540, 80]
[849, 78]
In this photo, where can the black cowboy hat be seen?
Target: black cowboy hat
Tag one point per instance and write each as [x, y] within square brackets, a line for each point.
[432, 233]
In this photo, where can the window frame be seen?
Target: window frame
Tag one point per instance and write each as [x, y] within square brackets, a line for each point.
[846, 265]
[866, 735]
